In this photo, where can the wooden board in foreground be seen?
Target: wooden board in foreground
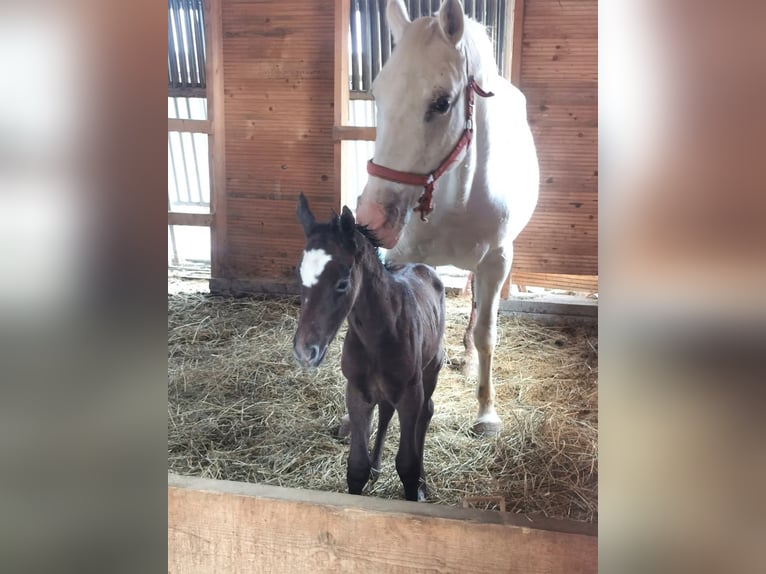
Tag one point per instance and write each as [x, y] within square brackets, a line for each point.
[221, 526]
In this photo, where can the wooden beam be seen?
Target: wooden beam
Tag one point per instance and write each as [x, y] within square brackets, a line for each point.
[176, 218]
[517, 40]
[221, 526]
[341, 89]
[194, 126]
[174, 92]
[356, 133]
[217, 143]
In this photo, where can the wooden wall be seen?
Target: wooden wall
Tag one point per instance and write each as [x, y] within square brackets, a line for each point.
[278, 61]
[278, 64]
[559, 76]
[220, 526]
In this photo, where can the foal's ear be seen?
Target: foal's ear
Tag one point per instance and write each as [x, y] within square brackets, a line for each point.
[398, 18]
[305, 217]
[348, 226]
[451, 20]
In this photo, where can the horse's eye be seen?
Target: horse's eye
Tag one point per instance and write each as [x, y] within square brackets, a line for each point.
[342, 286]
[440, 105]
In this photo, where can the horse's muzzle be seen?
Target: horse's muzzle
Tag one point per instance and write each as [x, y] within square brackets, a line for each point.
[309, 355]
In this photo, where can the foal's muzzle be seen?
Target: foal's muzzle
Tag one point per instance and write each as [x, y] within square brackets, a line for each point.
[309, 355]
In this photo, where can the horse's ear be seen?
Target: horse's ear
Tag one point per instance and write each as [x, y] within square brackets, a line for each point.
[348, 225]
[451, 20]
[305, 217]
[398, 18]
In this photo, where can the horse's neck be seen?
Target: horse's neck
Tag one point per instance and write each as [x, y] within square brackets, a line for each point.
[372, 308]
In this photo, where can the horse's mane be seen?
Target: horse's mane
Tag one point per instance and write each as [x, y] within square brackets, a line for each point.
[479, 51]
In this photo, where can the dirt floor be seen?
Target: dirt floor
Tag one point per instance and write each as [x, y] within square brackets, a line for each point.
[240, 408]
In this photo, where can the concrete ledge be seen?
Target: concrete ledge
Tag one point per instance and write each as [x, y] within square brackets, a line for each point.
[551, 309]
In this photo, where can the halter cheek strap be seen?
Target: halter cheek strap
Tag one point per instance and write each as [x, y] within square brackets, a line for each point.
[427, 181]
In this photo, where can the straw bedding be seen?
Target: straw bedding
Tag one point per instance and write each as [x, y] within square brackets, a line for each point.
[240, 408]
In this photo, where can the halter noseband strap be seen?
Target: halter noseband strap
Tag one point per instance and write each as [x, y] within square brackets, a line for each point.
[425, 202]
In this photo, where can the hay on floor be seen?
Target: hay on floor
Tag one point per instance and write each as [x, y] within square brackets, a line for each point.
[240, 408]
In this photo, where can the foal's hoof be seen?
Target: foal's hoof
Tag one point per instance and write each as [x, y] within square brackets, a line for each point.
[422, 491]
[487, 425]
[345, 427]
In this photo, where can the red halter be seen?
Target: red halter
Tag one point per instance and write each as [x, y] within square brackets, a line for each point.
[425, 202]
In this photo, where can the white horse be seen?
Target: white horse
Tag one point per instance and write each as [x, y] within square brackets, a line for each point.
[453, 143]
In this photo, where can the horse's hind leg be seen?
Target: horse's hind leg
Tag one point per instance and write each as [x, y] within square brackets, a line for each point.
[385, 412]
[490, 276]
[469, 360]
[360, 413]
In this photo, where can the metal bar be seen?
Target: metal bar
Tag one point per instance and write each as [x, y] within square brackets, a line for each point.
[470, 8]
[501, 31]
[172, 56]
[374, 40]
[181, 48]
[364, 13]
[189, 35]
[480, 11]
[200, 36]
[171, 157]
[385, 33]
[200, 193]
[355, 79]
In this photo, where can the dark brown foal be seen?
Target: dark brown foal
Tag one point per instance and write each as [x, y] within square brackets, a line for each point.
[393, 351]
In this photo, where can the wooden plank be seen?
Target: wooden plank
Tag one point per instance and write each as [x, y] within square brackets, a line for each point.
[217, 142]
[581, 283]
[355, 133]
[220, 526]
[516, 48]
[177, 218]
[193, 126]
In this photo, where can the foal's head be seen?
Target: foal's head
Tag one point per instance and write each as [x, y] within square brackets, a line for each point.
[330, 274]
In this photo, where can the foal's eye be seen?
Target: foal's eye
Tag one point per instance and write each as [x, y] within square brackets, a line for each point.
[440, 105]
[342, 286]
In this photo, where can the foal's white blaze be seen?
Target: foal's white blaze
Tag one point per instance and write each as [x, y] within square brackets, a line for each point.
[314, 262]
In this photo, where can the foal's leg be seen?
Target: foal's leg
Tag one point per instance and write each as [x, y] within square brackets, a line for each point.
[490, 276]
[408, 459]
[385, 412]
[430, 377]
[360, 413]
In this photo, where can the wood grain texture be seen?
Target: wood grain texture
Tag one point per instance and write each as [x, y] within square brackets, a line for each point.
[559, 77]
[278, 64]
[218, 526]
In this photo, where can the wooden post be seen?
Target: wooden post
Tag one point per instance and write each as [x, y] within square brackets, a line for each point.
[342, 15]
[217, 140]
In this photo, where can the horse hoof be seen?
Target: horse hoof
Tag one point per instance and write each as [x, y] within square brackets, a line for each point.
[422, 492]
[345, 427]
[487, 425]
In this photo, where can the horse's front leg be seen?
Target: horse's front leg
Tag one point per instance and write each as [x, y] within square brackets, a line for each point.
[490, 276]
[360, 414]
[409, 456]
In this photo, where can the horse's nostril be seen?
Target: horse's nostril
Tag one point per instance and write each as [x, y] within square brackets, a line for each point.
[313, 353]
